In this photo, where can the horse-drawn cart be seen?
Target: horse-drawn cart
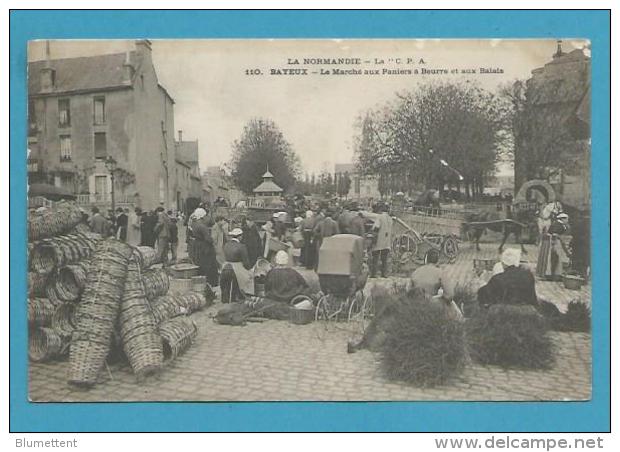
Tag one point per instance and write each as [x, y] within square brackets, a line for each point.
[423, 229]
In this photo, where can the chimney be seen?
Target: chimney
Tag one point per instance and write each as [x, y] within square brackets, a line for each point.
[559, 51]
[180, 135]
[143, 47]
[48, 73]
[128, 69]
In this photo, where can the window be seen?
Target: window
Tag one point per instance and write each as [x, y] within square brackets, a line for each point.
[32, 119]
[64, 113]
[99, 110]
[101, 188]
[65, 147]
[101, 151]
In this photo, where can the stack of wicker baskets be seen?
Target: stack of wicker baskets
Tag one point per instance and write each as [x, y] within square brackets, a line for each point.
[138, 327]
[98, 311]
[87, 293]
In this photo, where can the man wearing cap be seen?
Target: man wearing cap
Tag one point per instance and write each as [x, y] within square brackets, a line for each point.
[162, 232]
[515, 285]
[236, 281]
[326, 228]
[358, 225]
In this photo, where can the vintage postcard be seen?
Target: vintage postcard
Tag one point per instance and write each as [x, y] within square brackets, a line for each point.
[309, 220]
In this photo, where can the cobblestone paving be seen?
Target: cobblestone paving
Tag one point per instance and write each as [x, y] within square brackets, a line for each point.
[276, 360]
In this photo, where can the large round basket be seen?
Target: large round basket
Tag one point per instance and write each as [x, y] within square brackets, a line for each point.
[177, 334]
[36, 284]
[63, 320]
[51, 222]
[71, 280]
[156, 283]
[147, 256]
[45, 344]
[141, 341]
[98, 311]
[40, 311]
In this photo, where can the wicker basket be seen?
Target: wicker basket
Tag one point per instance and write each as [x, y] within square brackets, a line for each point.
[177, 334]
[41, 311]
[45, 344]
[71, 280]
[301, 316]
[147, 256]
[156, 283]
[180, 286]
[183, 271]
[141, 341]
[573, 282]
[36, 284]
[63, 319]
[170, 306]
[60, 219]
[62, 250]
[164, 308]
[98, 311]
[199, 283]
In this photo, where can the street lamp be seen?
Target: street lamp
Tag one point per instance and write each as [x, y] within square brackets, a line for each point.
[110, 165]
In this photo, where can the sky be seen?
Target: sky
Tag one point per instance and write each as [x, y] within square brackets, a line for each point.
[215, 97]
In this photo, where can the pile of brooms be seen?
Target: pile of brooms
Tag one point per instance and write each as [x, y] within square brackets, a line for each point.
[422, 344]
[96, 300]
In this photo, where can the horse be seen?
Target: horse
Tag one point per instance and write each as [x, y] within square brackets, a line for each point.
[477, 224]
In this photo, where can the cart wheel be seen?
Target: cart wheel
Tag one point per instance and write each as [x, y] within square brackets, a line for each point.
[322, 318]
[450, 248]
[361, 312]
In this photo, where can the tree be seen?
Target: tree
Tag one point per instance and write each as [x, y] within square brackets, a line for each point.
[541, 136]
[262, 144]
[441, 134]
[344, 184]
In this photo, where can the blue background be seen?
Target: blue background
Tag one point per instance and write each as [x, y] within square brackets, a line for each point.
[588, 416]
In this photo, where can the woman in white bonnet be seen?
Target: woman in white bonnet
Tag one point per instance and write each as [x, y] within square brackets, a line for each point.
[514, 285]
[284, 283]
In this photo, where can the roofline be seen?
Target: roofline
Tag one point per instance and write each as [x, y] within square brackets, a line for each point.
[82, 91]
[160, 86]
[183, 163]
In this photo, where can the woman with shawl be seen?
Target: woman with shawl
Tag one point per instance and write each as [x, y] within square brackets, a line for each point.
[202, 250]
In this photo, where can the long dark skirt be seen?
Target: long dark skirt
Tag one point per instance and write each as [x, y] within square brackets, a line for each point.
[229, 286]
[203, 254]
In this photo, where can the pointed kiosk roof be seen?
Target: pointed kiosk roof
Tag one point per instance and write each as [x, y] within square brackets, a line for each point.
[268, 185]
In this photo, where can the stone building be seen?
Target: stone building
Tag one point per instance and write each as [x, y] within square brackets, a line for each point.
[217, 184]
[83, 110]
[557, 123]
[362, 187]
[188, 181]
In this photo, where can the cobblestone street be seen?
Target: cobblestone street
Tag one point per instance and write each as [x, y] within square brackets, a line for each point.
[276, 360]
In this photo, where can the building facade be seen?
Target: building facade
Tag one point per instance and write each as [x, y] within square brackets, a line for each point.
[217, 184]
[361, 187]
[188, 181]
[81, 111]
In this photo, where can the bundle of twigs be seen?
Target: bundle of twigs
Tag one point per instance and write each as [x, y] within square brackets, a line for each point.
[168, 306]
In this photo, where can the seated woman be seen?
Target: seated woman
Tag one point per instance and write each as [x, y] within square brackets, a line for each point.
[515, 285]
[284, 283]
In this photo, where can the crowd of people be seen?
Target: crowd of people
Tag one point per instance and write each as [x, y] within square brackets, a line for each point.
[155, 228]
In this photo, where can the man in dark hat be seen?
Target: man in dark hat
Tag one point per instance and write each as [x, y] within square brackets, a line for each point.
[121, 224]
